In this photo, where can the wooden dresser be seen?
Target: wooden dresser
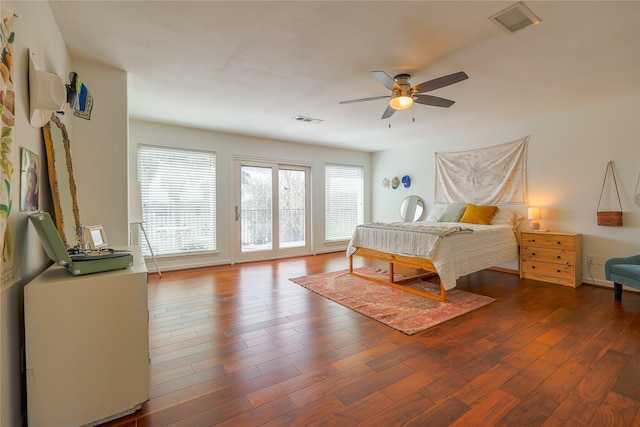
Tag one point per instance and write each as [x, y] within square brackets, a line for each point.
[553, 257]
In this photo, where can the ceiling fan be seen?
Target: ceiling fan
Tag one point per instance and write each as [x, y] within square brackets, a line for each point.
[403, 95]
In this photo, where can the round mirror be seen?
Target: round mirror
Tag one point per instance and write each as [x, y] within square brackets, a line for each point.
[412, 209]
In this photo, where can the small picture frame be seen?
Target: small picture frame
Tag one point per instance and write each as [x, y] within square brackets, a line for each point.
[96, 237]
[29, 180]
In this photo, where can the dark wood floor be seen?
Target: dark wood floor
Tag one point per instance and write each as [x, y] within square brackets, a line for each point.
[243, 346]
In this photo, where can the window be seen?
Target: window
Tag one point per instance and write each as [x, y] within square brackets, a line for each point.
[178, 192]
[343, 200]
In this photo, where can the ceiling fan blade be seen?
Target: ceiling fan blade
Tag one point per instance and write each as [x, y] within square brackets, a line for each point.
[440, 82]
[386, 80]
[373, 98]
[388, 113]
[433, 100]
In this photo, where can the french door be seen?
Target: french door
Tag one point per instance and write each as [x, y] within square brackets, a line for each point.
[272, 216]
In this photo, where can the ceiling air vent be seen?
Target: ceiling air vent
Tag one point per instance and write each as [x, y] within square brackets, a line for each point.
[515, 18]
[306, 119]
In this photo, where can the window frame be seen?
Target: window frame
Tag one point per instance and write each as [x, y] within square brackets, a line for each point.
[361, 204]
[210, 210]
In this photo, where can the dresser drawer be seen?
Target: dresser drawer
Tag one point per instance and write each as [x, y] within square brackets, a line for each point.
[547, 268]
[554, 256]
[548, 240]
[557, 273]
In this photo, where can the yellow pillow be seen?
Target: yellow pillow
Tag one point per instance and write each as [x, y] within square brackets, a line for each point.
[478, 214]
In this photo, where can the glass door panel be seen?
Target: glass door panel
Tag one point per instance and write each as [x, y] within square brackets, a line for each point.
[256, 209]
[272, 210]
[292, 211]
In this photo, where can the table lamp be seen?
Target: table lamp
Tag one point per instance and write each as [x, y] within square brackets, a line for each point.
[534, 215]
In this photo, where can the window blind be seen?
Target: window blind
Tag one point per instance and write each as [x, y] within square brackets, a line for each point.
[178, 194]
[343, 198]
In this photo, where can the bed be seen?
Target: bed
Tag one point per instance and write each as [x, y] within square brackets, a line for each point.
[448, 249]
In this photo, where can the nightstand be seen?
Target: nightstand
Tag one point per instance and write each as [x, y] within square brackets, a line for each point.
[552, 257]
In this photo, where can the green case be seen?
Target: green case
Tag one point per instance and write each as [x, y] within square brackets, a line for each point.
[56, 251]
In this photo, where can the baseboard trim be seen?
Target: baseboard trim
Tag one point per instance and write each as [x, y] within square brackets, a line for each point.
[504, 270]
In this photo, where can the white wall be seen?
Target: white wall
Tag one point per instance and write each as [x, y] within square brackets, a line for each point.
[227, 147]
[567, 157]
[100, 152]
[36, 30]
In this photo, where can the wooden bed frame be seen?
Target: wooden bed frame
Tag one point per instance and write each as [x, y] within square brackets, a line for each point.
[402, 260]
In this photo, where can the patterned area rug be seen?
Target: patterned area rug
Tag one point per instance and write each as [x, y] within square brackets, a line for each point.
[404, 311]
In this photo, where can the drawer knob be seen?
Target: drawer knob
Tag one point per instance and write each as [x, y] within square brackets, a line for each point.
[558, 257]
[533, 267]
[558, 243]
[533, 240]
[533, 254]
[557, 271]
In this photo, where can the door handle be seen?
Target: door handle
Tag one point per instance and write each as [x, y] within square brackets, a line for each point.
[237, 213]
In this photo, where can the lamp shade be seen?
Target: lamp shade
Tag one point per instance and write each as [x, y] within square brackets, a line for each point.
[135, 203]
[401, 102]
[534, 215]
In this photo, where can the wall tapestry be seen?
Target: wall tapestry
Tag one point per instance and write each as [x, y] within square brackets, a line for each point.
[7, 108]
[490, 176]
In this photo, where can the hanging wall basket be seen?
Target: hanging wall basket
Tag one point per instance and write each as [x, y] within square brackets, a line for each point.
[610, 218]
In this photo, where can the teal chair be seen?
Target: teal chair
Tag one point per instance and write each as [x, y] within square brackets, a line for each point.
[623, 271]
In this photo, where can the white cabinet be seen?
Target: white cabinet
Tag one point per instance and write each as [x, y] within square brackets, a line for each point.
[87, 345]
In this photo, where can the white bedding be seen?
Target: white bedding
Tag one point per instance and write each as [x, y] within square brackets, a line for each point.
[453, 254]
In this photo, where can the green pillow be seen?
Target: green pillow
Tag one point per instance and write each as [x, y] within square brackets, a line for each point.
[452, 214]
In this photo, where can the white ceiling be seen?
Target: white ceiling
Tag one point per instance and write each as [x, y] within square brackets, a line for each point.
[249, 67]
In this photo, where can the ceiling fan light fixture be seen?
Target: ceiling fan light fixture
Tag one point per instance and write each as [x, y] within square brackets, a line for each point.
[403, 95]
[401, 102]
